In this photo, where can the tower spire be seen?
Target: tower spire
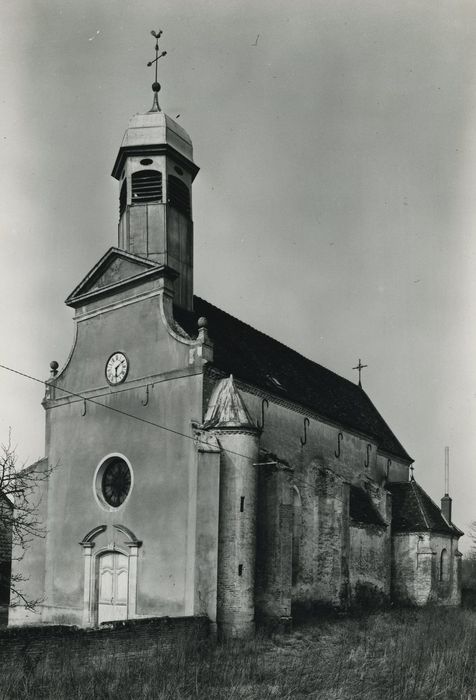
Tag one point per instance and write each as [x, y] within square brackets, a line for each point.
[156, 84]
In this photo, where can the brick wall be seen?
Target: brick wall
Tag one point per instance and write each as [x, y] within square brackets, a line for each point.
[26, 646]
[5, 557]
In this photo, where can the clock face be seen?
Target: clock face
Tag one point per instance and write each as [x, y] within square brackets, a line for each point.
[116, 368]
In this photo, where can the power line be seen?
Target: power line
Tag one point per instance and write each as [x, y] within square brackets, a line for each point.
[111, 408]
[137, 418]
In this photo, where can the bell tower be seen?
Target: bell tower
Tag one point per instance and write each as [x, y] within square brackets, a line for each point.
[155, 170]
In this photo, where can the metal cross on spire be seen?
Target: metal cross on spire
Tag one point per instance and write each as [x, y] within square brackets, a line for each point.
[360, 367]
[155, 84]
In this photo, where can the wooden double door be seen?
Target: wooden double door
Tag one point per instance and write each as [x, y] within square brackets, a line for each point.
[113, 586]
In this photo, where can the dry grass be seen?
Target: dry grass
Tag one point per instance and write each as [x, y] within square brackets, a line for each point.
[396, 655]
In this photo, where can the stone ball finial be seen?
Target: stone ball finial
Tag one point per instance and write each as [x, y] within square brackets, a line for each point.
[202, 322]
[54, 368]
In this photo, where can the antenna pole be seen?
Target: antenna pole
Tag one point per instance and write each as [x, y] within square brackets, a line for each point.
[447, 470]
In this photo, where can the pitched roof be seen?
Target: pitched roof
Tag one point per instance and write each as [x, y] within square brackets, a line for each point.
[226, 408]
[361, 508]
[414, 511]
[266, 363]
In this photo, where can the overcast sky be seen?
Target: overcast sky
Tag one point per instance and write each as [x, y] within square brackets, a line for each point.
[335, 207]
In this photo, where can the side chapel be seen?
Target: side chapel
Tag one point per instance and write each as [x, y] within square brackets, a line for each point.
[202, 467]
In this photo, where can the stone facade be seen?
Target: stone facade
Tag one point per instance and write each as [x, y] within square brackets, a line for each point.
[181, 490]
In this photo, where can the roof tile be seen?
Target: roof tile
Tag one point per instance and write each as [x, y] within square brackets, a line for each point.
[254, 358]
[414, 511]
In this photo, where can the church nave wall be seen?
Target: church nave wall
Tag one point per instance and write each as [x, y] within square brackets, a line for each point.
[369, 570]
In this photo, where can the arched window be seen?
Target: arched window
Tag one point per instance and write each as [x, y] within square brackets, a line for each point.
[444, 566]
[178, 195]
[297, 530]
[123, 198]
[146, 186]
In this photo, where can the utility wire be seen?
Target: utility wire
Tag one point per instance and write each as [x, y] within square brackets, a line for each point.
[138, 418]
[111, 408]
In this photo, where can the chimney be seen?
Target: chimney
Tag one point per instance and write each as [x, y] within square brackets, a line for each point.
[446, 507]
[446, 500]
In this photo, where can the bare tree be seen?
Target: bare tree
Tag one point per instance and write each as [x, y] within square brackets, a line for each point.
[471, 533]
[21, 496]
[469, 561]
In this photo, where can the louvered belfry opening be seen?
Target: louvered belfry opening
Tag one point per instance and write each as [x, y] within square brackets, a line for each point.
[146, 186]
[178, 195]
[123, 198]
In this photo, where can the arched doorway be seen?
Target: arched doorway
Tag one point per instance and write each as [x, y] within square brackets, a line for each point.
[110, 577]
[112, 586]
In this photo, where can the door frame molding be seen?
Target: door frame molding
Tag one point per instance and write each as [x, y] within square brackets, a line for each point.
[131, 551]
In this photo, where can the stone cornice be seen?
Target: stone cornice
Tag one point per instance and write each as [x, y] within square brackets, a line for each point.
[106, 390]
[156, 272]
[151, 150]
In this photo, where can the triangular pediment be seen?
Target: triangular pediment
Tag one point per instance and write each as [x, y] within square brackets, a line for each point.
[115, 268]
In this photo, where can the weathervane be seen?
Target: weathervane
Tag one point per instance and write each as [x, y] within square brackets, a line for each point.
[360, 367]
[155, 84]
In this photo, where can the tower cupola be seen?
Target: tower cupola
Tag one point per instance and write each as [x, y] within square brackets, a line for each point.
[155, 170]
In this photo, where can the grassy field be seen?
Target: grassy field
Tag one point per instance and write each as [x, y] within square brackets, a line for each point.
[396, 655]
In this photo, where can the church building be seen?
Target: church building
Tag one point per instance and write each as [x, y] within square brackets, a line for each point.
[201, 467]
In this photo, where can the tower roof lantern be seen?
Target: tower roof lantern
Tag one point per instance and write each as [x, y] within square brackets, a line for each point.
[156, 128]
[155, 132]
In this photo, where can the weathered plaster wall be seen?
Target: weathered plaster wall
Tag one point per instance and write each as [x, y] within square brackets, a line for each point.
[446, 589]
[369, 569]
[207, 507]
[327, 580]
[412, 567]
[274, 543]
[237, 531]
[323, 466]
[416, 569]
[391, 469]
[284, 428]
